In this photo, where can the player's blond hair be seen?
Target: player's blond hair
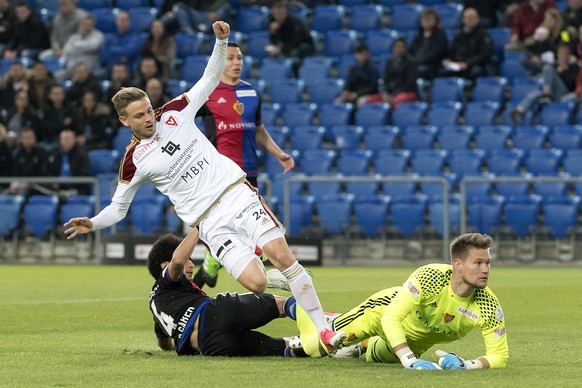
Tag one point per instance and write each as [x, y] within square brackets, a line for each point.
[461, 245]
[126, 96]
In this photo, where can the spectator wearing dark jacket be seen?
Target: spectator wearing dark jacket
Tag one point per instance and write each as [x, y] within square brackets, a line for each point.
[69, 159]
[92, 119]
[362, 78]
[399, 76]
[57, 116]
[28, 160]
[288, 35]
[29, 32]
[429, 46]
[7, 21]
[471, 49]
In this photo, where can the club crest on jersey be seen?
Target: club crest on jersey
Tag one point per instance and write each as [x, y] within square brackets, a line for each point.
[171, 121]
[170, 148]
[448, 317]
[413, 289]
[238, 107]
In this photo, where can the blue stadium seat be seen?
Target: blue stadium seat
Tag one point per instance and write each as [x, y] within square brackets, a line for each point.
[489, 89]
[316, 162]
[405, 17]
[409, 113]
[257, 40]
[505, 161]
[284, 91]
[339, 42]
[251, 19]
[365, 17]
[335, 114]
[434, 190]
[54, 64]
[193, 67]
[551, 189]
[307, 137]
[543, 161]
[371, 214]
[325, 90]
[429, 161]
[557, 113]
[298, 113]
[354, 162]
[10, 207]
[379, 41]
[380, 137]
[500, 36]
[327, 17]
[122, 139]
[481, 113]
[521, 213]
[273, 69]
[522, 86]
[141, 17]
[270, 113]
[484, 213]
[278, 186]
[91, 5]
[347, 137]
[444, 113]
[450, 14]
[77, 206]
[128, 5]
[322, 189]
[40, 214]
[408, 214]
[362, 189]
[343, 65]
[436, 210]
[494, 138]
[529, 137]
[280, 135]
[512, 69]
[177, 86]
[300, 212]
[105, 19]
[513, 188]
[372, 114]
[188, 44]
[573, 164]
[446, 89]
[458, 128]
[402, 185]
[315, 69]
[147, 213]
[463, 161]
[335, 212]
[419, 137]
[476, 188]
[173, 222]
[566, 137]
[561, 215]
[103, 161]
[452, 140]
[389, 162]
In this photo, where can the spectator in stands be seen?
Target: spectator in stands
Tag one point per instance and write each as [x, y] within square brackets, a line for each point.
[559, 84]
[362, 79]
[39, 85]
[83, 46]
[29, 159]
[67, 160]
[14, 80]
[471, 49]
[160, 46]
[64, 24]
[195, 15]
[5, 156]
[148, 68]
[57, 116]
[288, 35]
[22, 115]
[429, 46]
[154, 88]
[572, 17]
[526, 19]
[92, 121]
[121, 46]
[83, 80]
[7, 21]
[29, 33]
[120, 78]
[399, 76]
[540, 48]
[487, 10]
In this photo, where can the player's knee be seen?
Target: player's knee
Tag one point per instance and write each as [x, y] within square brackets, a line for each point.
[258, 286]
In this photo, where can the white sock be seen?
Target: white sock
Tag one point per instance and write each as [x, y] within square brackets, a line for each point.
[302, 288]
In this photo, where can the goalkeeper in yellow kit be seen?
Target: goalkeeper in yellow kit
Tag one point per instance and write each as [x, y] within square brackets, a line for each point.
[438, 304]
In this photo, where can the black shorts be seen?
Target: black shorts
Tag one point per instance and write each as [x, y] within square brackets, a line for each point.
[227, 325]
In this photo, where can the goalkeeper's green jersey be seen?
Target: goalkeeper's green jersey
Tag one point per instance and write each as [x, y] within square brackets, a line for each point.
[425, 311]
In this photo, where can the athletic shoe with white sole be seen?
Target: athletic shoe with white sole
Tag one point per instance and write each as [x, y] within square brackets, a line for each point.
[275, 279]
[333, 340]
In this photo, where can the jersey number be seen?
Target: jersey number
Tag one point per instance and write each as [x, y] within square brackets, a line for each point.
[258, 214]
[165, 320]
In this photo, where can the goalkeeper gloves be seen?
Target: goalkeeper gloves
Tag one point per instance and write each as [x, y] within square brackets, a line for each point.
[452, 361]
[423, 365]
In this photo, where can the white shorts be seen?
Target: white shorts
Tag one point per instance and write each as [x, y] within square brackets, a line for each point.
[234, 226]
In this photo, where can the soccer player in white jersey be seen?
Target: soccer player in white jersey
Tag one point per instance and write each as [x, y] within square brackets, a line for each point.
[438, 304]
[207, 189]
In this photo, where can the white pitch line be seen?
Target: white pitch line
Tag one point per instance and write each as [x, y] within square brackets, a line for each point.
[75, 301]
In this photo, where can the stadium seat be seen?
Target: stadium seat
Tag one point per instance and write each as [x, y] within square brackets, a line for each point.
[380, 137]
[561, 215]
[446, 89]
[347, 137]
[429, 161]
[365, 17]
[405, 17]
[481, 113]
[131, 4]
[363, 189]
[458, 128]
[300, 212]
[452, 140]
[408, 214]
[147, 213]
[371, 214]
[379, 41]
[500, 36]
[307, 137]
[40, 214]
[521, 213]
[434, 190]
[173, 223]
[188, 44]
[529, 137]
[489, 89]
[372, 114]
[103, 161]
[504, 161]
[419, 137]
[257, 40]
[321, 189]
[251, 19]
[463, 161]
[90, 5]
[522, 86]
[10, 207]
[573, 164]
[476, 188]
[354, 162]
[436, 211]
[54, 64]
[141, 17]
[280, 135]
[492, 137]
[327, 17]
[324, 90]
[335, 212]
[388, 162]
[298, 113]
[343, 65]
[177, 87]
[77, 206]
[551, 189]
[450, 14]
[484, 213]
[566, 137]
[516, 187]
[543, 161]
[315, 69]
[335, 114]
[339, 42]
[273, 69]
[121, 139]
[557, 113]
[511, 69]
[400, 184]
[316, 162]
[284, 91]
[409, 113]
[278, 186]
[444, 113]
[270, 113]
[193, 67]
[105, 19]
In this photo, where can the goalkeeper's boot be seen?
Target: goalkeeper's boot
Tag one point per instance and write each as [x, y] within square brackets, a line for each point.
[210, 269]
[332, 340]
[354, 351]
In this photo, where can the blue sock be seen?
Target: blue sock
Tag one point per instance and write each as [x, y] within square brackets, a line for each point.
[287, 352]
[290, 308]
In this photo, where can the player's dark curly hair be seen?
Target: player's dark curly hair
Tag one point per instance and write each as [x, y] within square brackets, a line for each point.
[461, 245]
[162, 250]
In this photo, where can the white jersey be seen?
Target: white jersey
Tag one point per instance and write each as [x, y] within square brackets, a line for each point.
[178, 159]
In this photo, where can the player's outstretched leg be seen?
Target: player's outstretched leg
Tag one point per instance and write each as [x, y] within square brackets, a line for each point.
[210, 269]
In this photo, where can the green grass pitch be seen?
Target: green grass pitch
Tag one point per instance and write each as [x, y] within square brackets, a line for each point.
[66, 326]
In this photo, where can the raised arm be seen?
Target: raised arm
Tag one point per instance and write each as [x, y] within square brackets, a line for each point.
[182, 254]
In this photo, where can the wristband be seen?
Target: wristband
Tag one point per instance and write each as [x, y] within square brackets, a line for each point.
[473, 364]
[406, 356]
